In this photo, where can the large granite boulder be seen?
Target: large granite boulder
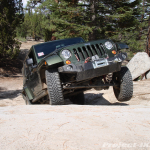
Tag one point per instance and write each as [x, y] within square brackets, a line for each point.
[139, 64]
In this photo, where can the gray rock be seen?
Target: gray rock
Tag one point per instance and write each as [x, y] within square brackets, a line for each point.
[139, 64]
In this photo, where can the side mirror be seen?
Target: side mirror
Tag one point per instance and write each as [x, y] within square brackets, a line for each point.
[122, 46]
[29, 62]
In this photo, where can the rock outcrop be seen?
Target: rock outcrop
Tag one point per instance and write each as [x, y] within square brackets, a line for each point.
[139, 64]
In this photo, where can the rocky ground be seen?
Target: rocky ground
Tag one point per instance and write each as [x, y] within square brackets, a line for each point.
[102, 123]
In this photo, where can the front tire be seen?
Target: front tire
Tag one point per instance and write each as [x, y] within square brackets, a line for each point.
[54, 87]
[124, 90]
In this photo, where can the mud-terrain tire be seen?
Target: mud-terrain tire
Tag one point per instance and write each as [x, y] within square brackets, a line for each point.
[54, 87]
[78, 99]
[124, 90]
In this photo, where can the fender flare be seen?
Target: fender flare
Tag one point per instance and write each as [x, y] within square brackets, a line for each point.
[54, 59]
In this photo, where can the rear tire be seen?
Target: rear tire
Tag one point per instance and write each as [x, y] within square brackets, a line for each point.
[54, 87]
[78, 99]
[124, 90]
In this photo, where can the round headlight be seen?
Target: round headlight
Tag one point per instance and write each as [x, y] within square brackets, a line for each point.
[108, 45]
[66, 54]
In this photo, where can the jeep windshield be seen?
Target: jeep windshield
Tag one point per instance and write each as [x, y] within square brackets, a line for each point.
[48, 47]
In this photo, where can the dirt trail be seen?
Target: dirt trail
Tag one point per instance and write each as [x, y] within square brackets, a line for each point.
[10, 88]
[74, 127]
[94, 125]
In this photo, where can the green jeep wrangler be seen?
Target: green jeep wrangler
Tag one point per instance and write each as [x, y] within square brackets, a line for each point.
[64, 69]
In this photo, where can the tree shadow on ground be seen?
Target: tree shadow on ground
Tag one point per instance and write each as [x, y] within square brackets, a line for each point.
[10, 67]
[9, 94]
[2, 88]
[90, 98]
[98, 99]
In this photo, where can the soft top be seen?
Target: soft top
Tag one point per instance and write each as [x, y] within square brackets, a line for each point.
[48, 47]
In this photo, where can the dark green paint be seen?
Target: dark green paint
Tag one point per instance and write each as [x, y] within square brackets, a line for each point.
[53, 60]
[73, 58]
[28, 93]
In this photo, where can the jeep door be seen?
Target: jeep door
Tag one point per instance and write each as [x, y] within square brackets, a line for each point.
[33, 81]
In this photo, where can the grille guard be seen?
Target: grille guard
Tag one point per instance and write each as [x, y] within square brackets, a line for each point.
[103, 66]
[99, 63]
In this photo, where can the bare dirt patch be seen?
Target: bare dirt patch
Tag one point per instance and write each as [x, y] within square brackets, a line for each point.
[10, 91]
[10, 94]
[74, 127]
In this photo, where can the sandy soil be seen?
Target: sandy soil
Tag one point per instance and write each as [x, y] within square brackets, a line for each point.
[27, 45]
[10, 88]
[74, 127]
[102, 123]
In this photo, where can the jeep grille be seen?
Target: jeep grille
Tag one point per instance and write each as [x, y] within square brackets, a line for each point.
[84, 52]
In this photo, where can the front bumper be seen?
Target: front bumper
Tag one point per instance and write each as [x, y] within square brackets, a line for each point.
[94, 68]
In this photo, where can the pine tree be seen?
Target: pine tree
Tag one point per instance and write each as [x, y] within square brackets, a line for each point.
[31, 26]
[24, 28]
[146, 4]
[11, 15]
[64, 19]
[119, 20]
[135, 34]
[124, 24]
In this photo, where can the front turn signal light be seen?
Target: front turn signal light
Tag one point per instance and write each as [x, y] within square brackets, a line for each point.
[114, 52]
[68, 62]
[45, 63]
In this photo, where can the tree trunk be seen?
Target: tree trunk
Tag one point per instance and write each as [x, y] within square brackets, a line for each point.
[142, 17]
[148, 39]
[92, 35]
